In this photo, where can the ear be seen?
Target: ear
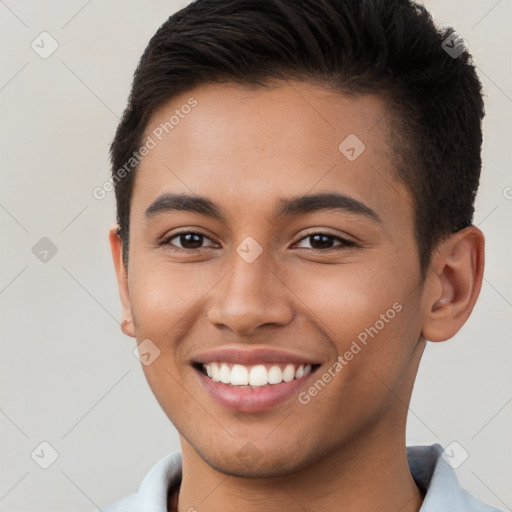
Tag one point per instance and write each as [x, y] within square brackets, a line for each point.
[127, 325]
[454, 283]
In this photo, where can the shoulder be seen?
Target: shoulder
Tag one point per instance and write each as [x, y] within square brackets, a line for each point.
[432, 471]
[163, 477]
[128, 504]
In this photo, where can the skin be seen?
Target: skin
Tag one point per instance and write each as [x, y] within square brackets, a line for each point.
[244, 148]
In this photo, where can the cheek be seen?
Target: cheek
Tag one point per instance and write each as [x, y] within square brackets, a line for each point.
[164, 297]
[368, 319]
[162, 315]
[344, 300]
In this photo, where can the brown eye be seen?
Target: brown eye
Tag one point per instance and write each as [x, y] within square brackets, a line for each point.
[324, 242]
[188, 240]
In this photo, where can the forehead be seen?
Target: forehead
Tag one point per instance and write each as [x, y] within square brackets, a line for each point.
[247, 145]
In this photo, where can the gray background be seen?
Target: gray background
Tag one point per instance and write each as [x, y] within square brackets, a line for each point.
[68, 374]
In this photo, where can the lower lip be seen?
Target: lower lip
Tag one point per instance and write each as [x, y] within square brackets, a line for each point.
[254, 399]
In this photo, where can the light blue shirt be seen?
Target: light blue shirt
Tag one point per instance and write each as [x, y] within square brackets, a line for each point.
[430, 472]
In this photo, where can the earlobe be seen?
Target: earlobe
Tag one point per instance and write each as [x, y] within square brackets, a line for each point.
[127, 325]
[454, 285]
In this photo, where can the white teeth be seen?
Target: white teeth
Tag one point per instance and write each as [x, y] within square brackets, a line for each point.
[256, 376]
[225, 374]
[215, 372]
[239, 375]
[275, 375]
[289, 373]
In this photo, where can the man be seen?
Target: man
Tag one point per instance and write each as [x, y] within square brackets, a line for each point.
[295, 185]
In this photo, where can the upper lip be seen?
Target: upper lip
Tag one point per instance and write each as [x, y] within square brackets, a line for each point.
[251, 356]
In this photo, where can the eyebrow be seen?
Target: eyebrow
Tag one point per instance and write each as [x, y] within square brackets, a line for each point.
[169, 202]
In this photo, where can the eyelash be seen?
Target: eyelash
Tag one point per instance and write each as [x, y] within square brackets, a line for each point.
[345, 243]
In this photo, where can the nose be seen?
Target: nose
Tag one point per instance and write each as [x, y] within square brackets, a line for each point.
[250, 296]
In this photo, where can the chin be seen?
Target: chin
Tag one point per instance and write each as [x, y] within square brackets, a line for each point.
[248, 462]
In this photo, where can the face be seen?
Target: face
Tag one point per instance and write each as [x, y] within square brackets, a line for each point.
[254, 283]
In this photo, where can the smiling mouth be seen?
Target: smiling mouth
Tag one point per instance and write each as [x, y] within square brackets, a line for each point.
[254, 376]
